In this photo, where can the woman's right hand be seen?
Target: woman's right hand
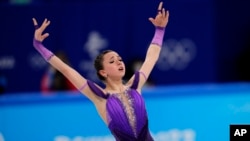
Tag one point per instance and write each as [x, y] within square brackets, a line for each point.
[38, 35]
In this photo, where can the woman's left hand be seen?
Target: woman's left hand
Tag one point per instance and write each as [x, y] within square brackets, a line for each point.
[161, 19]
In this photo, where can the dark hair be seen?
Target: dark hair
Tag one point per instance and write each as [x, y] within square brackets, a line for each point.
[98, 63]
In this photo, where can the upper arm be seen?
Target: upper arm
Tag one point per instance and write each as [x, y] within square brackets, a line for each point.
[148, 65]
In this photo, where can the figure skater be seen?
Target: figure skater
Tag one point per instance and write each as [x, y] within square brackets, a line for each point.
[121, 106]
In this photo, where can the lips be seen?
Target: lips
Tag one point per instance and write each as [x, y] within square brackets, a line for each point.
[121, 69]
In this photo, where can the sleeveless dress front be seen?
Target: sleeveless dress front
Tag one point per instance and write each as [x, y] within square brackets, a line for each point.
[122, 125]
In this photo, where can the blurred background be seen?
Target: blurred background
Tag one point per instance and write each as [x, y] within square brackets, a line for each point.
[203, 72]
[205, 41]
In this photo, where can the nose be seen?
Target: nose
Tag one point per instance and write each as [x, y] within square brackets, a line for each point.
[118, 62]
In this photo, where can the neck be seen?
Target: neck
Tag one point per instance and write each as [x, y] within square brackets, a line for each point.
[115, 86]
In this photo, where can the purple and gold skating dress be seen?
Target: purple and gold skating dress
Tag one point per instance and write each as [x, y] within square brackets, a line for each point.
[124, 126]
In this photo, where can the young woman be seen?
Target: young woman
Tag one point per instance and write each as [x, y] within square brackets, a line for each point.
[120, 105]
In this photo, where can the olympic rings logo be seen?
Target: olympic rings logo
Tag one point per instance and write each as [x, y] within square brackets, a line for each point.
[176, 55]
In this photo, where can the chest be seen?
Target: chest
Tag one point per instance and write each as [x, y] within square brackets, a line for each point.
[126, 106]
[126, 102]
[126, 112]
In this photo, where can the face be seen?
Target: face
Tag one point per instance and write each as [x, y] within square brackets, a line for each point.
[113, 66]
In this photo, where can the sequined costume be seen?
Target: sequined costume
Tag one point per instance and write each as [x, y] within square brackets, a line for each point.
[125, 126]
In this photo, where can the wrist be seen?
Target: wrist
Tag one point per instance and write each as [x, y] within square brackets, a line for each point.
[158, 36]
[46, 54]
[159, 28]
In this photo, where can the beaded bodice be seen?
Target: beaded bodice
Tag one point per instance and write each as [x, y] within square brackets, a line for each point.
[126, 113]
[128, 106]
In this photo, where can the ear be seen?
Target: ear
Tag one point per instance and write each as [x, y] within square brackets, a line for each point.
[103, 73]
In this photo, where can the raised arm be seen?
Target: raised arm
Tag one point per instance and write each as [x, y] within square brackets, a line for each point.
[160, 22]
[72, 75]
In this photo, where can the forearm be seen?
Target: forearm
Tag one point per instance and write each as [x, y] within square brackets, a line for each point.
[75, 78]
[158, 36]
[71, 74]
[153, 54]
[46, 54]
[154, 49]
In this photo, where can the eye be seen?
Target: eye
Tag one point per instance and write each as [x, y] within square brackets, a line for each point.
[111, 61]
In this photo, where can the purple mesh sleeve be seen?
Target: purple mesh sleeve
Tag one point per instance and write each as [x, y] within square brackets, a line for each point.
[83, 86]
[136, 80]
[158, 36]
[143, 74]
[46, 54]
[96, 89]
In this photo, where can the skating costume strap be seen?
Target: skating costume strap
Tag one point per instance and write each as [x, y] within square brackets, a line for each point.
[96, 89]
[136, 80]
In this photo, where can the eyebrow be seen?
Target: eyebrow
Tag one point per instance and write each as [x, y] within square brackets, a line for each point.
[113, 57]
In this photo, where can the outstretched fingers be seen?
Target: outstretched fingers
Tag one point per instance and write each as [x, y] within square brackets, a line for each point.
[160, 6]
[152, 20]
[161, 19]
[45, 24]
[163, 12]
[167, 14]
[39, 30]
[159, 9]
[35, 23]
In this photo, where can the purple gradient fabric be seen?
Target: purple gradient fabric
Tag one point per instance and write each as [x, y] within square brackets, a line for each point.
[158, 36]
[118, 121]
[46, 54]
